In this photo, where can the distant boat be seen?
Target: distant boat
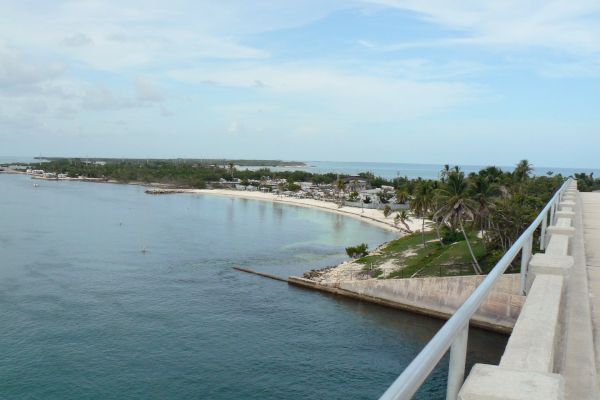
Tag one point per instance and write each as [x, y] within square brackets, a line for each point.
[35, 185]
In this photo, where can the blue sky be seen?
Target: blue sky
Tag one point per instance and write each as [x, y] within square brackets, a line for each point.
[466, 82]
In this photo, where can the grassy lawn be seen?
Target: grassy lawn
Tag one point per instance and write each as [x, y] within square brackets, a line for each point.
[433, 260]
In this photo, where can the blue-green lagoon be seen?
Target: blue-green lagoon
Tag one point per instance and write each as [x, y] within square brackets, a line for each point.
[109, 293]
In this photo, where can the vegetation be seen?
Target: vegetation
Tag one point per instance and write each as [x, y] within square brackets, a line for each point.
[203, 161]
[482, 213]
[387, 210]
[357, 251]
[177, 173]
[475, 217]
[587, 182]
[435, 259]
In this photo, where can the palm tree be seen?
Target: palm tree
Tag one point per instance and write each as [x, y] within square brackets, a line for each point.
[231, 168]
[444, 172]
[401, 218]
[493, 173]
[457, 206]
[340, 185]
[422, 204]
[483, 191]
[401, 196]
[523, 170]
[280, 188]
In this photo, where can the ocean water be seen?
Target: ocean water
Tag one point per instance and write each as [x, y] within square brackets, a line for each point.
[385, 170]
[87, 315]
[413, 171]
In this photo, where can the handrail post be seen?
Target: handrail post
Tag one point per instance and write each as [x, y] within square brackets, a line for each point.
[456, 366]
[552, 211]
[543, 233]
[525, 256]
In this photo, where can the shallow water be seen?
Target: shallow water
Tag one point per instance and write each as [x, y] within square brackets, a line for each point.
[86, 314]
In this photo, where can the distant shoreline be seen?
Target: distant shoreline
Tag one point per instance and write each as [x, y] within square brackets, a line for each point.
[373, 217]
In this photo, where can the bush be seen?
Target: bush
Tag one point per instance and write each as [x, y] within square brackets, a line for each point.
[376, 272]
[357, 251]
[450, 236]
[367, 200]
[387, 210]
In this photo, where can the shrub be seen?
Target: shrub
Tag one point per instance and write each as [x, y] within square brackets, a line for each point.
[387, 210]
[451, 236]
[376, 272]
[357, 251]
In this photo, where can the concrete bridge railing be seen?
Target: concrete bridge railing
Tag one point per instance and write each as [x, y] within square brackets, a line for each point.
[527, 368]
[530, 353]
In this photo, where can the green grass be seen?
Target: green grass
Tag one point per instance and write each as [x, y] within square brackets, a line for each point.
[433, 260]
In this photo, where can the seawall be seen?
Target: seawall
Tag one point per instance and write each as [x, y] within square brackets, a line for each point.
[436, 297]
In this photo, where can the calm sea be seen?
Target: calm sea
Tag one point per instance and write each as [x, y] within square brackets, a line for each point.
[425, 171]
[385, 170]
[87, 315]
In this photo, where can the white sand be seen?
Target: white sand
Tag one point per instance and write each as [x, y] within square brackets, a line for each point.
[371, 216]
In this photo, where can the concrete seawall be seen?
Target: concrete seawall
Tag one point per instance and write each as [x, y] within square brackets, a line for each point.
[437, 297]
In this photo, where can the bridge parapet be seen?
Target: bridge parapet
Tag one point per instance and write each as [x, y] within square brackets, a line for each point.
[529, 358]
[527, 369]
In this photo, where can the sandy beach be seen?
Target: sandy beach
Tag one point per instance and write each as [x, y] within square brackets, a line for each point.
[371, 216]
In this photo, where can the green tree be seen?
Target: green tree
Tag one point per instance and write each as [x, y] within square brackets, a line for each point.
[422, 204]
[401, 196]
[401, 218]
[357, 251]
[387, 210]
[456, 206]
[523, 170]
[483, 191]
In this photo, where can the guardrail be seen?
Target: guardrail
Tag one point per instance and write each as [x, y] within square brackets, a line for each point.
[454, 334]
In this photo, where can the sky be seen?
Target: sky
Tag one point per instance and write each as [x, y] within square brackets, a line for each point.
[440, 81]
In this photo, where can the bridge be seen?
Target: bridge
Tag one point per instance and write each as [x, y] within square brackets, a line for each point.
[554, 350]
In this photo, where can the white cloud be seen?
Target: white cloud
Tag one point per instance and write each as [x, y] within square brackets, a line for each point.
[20, 74]
[147, 91]
[101, 98]
[360, 95]
[234, 127]
[77, 40]
[565, 25]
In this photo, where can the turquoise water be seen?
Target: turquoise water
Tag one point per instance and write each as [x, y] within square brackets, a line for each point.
[87, 315]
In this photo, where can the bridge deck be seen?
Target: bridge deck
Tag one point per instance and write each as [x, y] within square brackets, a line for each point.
[578, 360]
[591, 230]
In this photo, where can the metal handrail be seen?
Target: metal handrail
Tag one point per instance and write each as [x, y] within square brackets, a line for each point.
[454, 333]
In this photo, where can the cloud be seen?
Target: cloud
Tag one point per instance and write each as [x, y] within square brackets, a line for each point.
[146, 91]
[101, 98]
[77, 40]
[234, 127]
[19, 73]
[565, 25]
[360, 95]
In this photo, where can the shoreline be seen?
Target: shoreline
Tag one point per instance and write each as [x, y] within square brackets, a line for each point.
[371, 216]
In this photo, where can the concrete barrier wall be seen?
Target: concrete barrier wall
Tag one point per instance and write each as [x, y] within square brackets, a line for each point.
[443, 296]
[438, 297]
[527, 369]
